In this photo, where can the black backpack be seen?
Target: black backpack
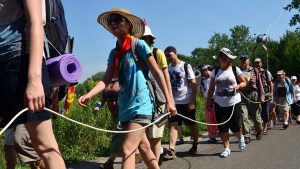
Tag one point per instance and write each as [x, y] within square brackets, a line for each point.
[56, 31]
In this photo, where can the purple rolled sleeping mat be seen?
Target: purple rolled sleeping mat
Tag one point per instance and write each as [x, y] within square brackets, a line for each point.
[64, 69]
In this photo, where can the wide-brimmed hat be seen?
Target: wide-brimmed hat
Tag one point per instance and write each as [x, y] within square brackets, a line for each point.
[138, 27]
[227, 52]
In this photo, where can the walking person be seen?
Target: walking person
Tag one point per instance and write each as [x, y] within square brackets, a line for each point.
[284, 96]
[24, 78]
[296, 104]
[209, 112]
[184, 91]
[135, 106]
[266, 79]
[154, 132]
[225, 82]
[253, 92]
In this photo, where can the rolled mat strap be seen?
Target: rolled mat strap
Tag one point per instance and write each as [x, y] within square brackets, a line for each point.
[64, 69]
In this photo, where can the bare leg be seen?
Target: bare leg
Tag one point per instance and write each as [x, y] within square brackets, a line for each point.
[194, 132]
[10, 156]
[44, 143]
[225, 139]
[155, 146]
[134, 140]
[172, 135]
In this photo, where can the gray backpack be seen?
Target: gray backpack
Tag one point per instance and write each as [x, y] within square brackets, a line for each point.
[156, 92]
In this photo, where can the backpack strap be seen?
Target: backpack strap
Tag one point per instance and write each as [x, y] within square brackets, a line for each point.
[186, 69]
[138, 59]
[155, 53]
[234, 73]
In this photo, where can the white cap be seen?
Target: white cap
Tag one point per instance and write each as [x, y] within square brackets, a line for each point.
[148, 32]
[294, 78]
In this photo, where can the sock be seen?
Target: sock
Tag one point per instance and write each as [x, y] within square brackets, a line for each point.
[227, 149]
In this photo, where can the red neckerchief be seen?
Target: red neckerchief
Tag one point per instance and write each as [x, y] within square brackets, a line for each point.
[120, 52]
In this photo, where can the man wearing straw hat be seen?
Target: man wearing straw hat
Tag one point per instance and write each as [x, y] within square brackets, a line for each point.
[135, 102]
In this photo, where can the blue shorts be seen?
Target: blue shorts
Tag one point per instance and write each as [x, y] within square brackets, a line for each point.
[13, 82]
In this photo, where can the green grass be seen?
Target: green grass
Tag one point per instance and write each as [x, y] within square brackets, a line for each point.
[78, 143]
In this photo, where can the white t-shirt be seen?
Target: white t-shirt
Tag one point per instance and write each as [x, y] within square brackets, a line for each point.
[297, 91]
[224, 92]
[181, 87]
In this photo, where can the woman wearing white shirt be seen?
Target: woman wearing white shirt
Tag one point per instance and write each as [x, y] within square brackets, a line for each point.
[224, 83]
[296, 105]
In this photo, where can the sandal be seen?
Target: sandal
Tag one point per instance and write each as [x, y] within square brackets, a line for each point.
[265, 132]
[225, 154]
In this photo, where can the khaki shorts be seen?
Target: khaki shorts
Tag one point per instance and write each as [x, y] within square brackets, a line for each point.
[283, 105]
[9, 136]
[154, 131]
[23, 145]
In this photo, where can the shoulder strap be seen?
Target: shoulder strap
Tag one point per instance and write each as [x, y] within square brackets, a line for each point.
[154, 53]
[137, 57]
[235, 74]
[267, 77]
[216, 71]
[185, 69]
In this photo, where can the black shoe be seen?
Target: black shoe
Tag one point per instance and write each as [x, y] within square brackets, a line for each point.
[193, 150]
[180, 141]
[247, 140]
[298, 122]
[212, 140]
[258, 136]
[107, 165]
[285, 126]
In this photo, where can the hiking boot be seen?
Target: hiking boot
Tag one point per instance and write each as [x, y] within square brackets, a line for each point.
[212, 140]
[258, 135]
[242, 143]
[169, 154]
[193, 150]
[180, 141]
[109, 164]
[247, 140]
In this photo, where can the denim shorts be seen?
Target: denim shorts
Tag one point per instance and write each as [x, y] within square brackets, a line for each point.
[13, 82]
[143, 119]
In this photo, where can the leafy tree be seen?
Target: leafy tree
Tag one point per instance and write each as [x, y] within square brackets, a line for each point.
[294, 5]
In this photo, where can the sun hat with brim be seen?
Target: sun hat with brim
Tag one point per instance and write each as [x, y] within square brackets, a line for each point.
[227, 52]
[294, 78]
[138, 26]
[148, 32]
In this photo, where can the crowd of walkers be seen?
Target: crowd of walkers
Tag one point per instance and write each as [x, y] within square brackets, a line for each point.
[139, 87]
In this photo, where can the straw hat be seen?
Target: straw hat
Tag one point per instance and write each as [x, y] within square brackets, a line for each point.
[138, 27]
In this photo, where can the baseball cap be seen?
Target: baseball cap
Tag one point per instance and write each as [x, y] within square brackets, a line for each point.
[294, 78]
[244, 56]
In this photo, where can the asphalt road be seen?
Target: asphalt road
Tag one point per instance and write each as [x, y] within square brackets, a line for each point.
[280, 149]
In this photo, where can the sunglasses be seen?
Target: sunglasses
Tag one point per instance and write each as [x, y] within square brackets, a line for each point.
[116, 20]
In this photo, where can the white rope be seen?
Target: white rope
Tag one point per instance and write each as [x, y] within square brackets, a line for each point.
[209, 124]
[76, 122]
[266, 101]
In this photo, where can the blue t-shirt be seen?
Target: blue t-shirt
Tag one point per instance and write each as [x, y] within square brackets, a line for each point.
[134, 96]
[12, 24]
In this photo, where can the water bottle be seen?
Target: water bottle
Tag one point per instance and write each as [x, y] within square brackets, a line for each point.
[160, 120]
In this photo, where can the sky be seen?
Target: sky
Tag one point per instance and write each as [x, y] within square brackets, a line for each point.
[184, 24]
